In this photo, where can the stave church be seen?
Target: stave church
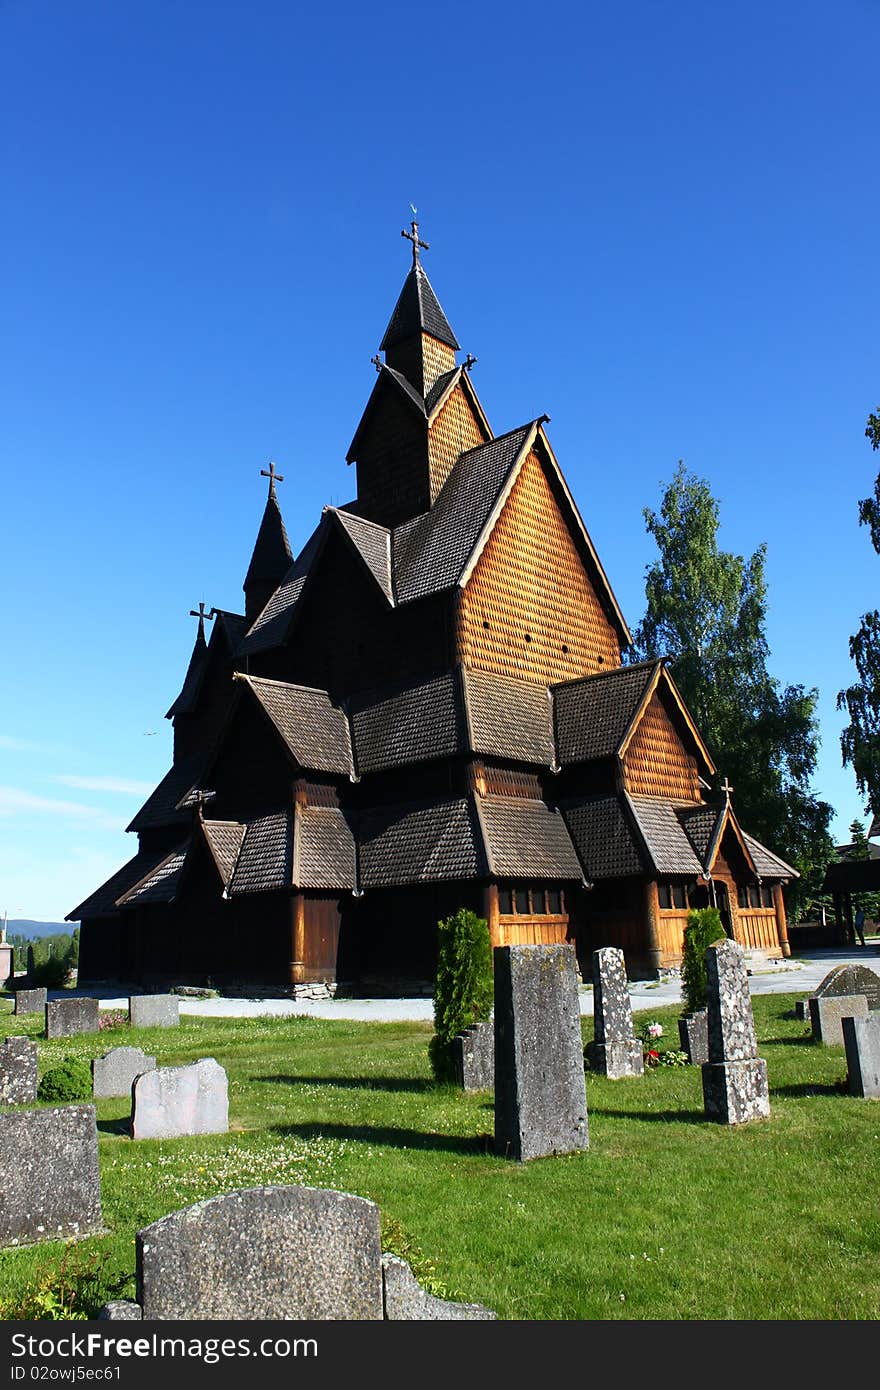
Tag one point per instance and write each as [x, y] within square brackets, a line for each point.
[425, 709]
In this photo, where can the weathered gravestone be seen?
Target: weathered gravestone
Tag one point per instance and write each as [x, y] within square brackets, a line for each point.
[851, 979]
[30, 1001]
[473, 1057]
[735, 1077]
[861, 1038]
[65, 1017]
[615, 1051]
[115, 1072]
[172, 1101]
[154, 1011]
[540, 1093]
[802, 1010]
[291, 1253]
[827, 1012]
[18, 1072]
[50, 1188]
[693, 1033]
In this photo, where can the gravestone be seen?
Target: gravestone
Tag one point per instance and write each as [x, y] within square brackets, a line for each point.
[172, 1101]
[30, 1001]
[51, 1189]
[615, 1050]
[291, 1253]
[65, 1017]
[265, 1252]
[540, 1093]
[735, 1077]
[852, 979]
[802, 1010]
[861, 1038]
[406, 1301]
[154, 1011]
[473, 1057]
[827, 1012]
[114, 1073]
[18, 1072]
[693, 1033]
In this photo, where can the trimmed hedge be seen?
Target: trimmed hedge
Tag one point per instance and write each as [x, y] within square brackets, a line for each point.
[464, 991]
[703, 929]
[72, 1080]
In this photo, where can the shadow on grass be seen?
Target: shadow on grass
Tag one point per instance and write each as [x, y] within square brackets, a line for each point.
[684, 1117]
[810, 1088]
[356, 1083]
[115, 1127]
[391, 1137]
[805, 1041]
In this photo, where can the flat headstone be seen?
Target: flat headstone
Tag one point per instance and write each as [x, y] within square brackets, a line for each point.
[114, 1073]
[693, 1033]
[120, 1310]
[827, 1012]
[30, 1001]
[615, 1050]
[735, 1086]
[18, 1072]
[407, 1301]
[473, 1056]
[171, 1101]
[154, 1011]
[293, 1253]
[861, 1038]
[852, 979]
[66, 1017]
[50, 1185]
[540, 1092]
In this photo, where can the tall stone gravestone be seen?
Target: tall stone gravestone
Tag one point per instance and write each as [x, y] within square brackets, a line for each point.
[50, 1188]
[616, 1050]
[114, 1074]
[18, 1072]
[735, 1077]
[172, 1101]
[66, 1017]
[30, 1001]
[154, 1011]
[540, 1093]
[861, 1038]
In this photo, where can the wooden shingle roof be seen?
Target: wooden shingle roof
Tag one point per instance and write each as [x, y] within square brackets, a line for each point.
[192, 681]
[163, 806]
[509, 718]
[224, 839]
[314, 730]
[270, 627]
[272, 557]
[424, 843]
[605, 838]
[372, 543]
[768, 864]
[526, 839]
[594, 714]
[415, 722]
[102, 903]
[161, 884]
[663, 836]
[417, 311]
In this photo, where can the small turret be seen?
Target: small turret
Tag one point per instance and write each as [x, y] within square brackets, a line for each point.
[272, 556]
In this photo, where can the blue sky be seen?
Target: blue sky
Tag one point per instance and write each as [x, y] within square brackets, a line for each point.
[656, 223]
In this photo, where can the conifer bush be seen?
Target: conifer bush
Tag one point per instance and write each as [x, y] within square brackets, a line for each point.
[464, 991]
[72, 1080]
[703, 929]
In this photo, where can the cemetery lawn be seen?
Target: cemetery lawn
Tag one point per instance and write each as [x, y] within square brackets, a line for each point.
[667, 1216]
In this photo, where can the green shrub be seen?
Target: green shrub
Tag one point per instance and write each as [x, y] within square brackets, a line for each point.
[71, 1081]
[51, 973]
[464, 991]
[703, 929]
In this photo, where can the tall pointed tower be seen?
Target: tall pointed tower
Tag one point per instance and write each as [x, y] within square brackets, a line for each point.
[423, 411]
[272, 556]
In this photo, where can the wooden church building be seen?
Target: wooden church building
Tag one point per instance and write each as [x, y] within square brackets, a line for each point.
[425, 709]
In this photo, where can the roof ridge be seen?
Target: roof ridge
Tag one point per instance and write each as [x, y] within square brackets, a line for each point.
[651, 662]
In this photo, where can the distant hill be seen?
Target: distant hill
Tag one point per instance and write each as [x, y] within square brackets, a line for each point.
[21, 926]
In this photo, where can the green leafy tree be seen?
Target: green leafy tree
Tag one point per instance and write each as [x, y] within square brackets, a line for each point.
[706, 613]
[464, 991]
[860, 740]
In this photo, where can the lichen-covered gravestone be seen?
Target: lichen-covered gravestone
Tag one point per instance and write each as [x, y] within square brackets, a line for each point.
[473, 1057]
[172, 1101]
[66, 1017]
[615, 1051]
[827, 1012]
[18, 1072]
[735, 1077]
[851, 979]
[693, 1033]
[540, 1093]
[861, 1038]
[115, 1072]
[407, 1301]
[154, 1011]
[30, 1001]
[50, 1189]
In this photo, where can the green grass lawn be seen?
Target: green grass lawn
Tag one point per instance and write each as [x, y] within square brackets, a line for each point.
[667, 1216]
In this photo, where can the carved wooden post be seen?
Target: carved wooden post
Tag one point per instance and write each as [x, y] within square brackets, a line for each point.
[490, 912]
[652, 922]
[781, 923]
[297, 939]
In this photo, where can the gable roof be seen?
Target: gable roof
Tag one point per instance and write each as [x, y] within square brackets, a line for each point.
[768, 864]
[224, 839]
[372, 543]
[417, 311]
[269, 628]
[314, 730]
[668, 849]
[593, 715]
[161, 884]
[324, 848]
[163, 806]
[102, 903]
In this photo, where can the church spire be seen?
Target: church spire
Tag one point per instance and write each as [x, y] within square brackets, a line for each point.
[272, 556]
[419, 341]
[192, 681]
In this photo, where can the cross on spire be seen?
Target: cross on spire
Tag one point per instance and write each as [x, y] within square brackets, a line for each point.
[726, 788]
[272, 476]
[377, 362]
[201, 613]
[200, 798]
[413, 236]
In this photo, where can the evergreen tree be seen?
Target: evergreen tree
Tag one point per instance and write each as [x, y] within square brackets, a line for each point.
[706, 613]
[861, 850]
[860, 740]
